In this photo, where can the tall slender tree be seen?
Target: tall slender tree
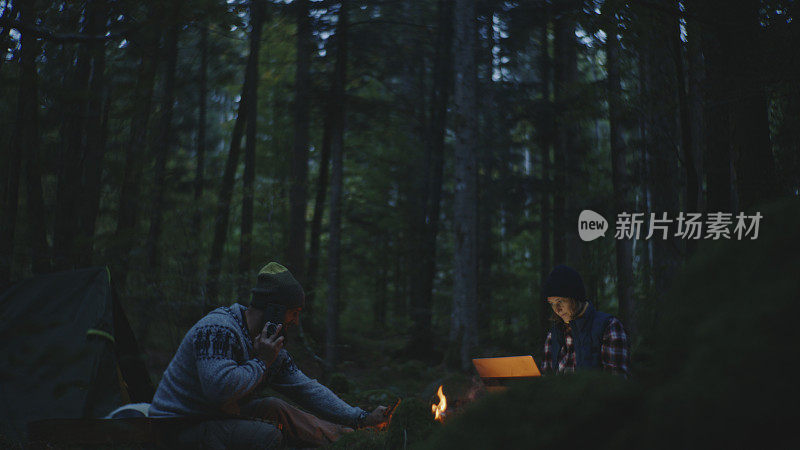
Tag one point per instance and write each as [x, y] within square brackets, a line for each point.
[619, 169]
[146, 41]
[67, 235]
[202, 112]
[26, 140]
[337, 162]
[718, 86]
[422, 301]
[463, 332]
[695, 69]
[573, 148]
[96, 131]
[546, 128]
[222, 216]
[246, 247]
[199, 174]
[756, 175]
[663, 138]
[10, 181]
[165, 142]
[312, 284]
[563, 143]
[298, 196]
[489, 210]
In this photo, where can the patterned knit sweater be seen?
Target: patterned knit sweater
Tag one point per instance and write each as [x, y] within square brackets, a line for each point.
[215, 371]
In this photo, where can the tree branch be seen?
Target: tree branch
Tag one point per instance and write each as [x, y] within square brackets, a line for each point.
[50, 35]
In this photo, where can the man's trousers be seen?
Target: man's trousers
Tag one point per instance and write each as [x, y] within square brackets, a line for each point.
[265, 423]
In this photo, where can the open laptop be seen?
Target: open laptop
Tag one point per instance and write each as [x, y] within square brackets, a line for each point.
[497, 372]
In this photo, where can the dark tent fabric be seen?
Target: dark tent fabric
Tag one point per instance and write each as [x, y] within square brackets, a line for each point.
[66, 351]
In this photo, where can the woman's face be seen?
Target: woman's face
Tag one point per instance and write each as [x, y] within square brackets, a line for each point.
[563, 307]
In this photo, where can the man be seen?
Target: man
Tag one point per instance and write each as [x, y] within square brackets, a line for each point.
[228, 354]
[581, 337]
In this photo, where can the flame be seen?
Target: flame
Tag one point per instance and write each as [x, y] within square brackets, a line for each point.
[438, 410]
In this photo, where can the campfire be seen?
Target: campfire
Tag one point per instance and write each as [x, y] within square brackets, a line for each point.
[460, 395]
[440, 408]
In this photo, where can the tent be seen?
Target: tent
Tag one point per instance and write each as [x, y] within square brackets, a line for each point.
[66, 351]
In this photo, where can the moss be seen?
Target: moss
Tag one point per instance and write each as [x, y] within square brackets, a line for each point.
[362, 439]
[411, 424]
[544, 413]
[8, 443]
[378, 397]
[338, 382]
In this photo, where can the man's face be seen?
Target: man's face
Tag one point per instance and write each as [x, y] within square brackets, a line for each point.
[292, 317]
[563, 307]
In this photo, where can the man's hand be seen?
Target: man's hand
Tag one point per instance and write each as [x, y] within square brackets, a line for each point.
[267, 347]
[377, 418]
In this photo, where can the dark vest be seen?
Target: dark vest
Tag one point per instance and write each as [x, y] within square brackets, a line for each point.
[587, 335]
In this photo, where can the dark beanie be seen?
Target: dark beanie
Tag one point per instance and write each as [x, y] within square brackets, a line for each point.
[277, 285]
[564, 281]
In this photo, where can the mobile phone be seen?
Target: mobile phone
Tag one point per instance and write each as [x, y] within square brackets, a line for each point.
[274, 314]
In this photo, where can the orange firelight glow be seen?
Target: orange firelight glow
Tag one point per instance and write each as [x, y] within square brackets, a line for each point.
[438, 410]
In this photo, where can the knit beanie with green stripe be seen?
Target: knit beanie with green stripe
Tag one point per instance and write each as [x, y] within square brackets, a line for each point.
[277, 285]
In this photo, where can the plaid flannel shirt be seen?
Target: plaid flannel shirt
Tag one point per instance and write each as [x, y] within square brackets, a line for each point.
[614, 351]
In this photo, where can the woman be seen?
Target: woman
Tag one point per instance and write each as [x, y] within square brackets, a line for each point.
[581, 337]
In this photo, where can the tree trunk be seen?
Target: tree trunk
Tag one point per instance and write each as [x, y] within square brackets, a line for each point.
[163, 146]
[67, 235]
[10, 182]
[718, 87]
[422, 301]
[202, 108]
[96, 133]
[125, 236]
[199, 175]
[489, 210]
[298, 195]
[464, 316]
[546, 142]
[643, 174]
[661, 98]
[692, 190]
[619, 169]
[246, 248]
[564, 37]
[311, 284]
[695, 100]
[382, 284]
[755, 165]
[573, 151]
[27, 142]
[226, 191]
[337, 159]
